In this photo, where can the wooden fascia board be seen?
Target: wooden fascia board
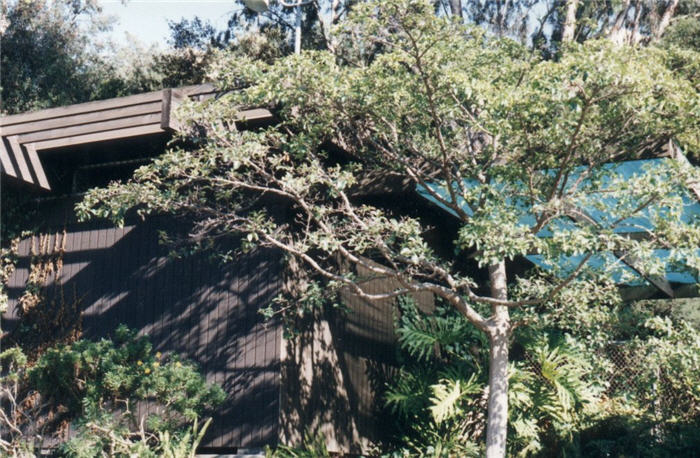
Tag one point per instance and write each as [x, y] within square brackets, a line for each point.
[83, 129]
[80, 108]
[99, 136]
[97, 106]
[172, 99]
[81, 119]
[26, 134]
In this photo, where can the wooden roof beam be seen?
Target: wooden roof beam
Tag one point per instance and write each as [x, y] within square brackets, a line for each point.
[172, 98]
[18, 154]
[82, 119]
[5, 161]
[38, 168]
[80, 108]
[660, 282]
[100, 136]
[30, 172]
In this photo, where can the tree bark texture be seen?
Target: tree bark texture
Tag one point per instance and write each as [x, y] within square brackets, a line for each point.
[499, 333]
[669, 12]
[616, 34]
[569, 28]
[456, 7]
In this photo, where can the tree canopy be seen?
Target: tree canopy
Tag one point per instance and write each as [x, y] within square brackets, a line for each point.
[49, 52]
[514, 147]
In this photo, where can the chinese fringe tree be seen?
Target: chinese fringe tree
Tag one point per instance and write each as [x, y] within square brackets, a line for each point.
[511, 145]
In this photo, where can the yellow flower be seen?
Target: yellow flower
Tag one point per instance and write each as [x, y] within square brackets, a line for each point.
[177, 364]
[156, 364]
[148, 370]
[158, 355]
[140, 363]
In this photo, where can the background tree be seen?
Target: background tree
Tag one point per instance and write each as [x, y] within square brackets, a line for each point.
[50, 53]
[319, 18]
[545, 24]
[456, 8]
[475, 124]
[624, 22]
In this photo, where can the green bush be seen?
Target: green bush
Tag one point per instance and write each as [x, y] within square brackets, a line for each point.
[560, 396]
[99, 388]
[312, 446]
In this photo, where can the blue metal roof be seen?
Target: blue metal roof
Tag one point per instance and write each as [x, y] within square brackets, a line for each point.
[613, 267]
[599, 206]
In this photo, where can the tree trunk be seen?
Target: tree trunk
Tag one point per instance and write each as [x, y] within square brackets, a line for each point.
[666, 18]
[456, 7]
[499, 333]
[569, 28]
[635, 37]
[617, 33]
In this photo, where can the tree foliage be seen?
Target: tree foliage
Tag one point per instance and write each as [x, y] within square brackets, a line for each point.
[517, 149]
[502, 117]
[568, 396]
[51, 53]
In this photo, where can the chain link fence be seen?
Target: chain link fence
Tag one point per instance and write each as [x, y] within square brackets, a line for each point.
[655, 388]
[632, 376]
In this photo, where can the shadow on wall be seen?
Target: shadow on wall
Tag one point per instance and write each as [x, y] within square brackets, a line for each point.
[335, 372]
[193, 306]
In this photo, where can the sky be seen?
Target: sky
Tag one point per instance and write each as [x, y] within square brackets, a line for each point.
[147, 20]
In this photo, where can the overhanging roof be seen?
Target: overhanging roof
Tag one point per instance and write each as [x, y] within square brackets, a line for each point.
[24, 136]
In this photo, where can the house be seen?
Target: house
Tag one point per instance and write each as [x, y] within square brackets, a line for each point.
[326, 379]
[98, 276]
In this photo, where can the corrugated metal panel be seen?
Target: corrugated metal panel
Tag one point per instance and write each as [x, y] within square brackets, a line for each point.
[193, 306]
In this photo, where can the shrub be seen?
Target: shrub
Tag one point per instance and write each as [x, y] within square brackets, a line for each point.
[120, 398]
[568, 395]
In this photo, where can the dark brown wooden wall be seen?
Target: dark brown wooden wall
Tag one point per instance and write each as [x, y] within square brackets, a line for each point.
[193, 306]
[336, 368]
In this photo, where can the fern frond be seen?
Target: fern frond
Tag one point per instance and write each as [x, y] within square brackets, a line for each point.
[417, 341]
[406, 395]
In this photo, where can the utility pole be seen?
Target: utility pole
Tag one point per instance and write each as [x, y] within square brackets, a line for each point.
[297, 29]
[261, 6]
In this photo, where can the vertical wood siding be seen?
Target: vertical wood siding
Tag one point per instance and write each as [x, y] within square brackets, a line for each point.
[336, 368]
[195, 307]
